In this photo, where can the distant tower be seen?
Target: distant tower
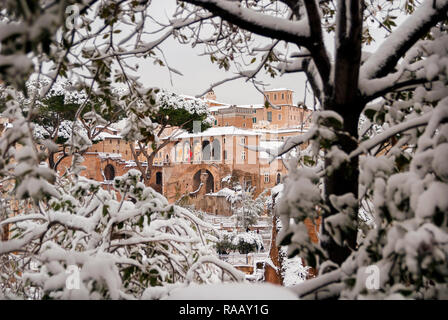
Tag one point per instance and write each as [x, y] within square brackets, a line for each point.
[210, 95]
[279, 96]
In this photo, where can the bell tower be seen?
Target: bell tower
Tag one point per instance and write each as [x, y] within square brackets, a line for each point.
[210, 95]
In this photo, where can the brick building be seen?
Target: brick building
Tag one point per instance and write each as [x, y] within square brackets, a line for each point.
[282, 114]
[194, 166]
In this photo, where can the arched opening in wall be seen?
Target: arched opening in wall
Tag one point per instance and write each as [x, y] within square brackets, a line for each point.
[206, 178]
[206, 150]
[279, 178]
[216, 150]
[179, 152]
[210, 183]
[109, 172]
[159, 178]
[197, 150]
[196, 180]
[187, 151]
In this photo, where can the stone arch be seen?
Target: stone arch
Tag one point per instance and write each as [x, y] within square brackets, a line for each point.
[109, 172]
[206, 177]
[210, 183]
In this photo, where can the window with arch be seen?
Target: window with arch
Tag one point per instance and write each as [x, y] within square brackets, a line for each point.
[159, 178]
[197, 150]
[179, 152]
[206, 150]
[279, 178]
[109, 172]
[187, 151]
[216, 149]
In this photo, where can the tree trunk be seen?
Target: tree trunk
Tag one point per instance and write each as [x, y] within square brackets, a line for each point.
[344, 98]
[343, 180]
[51, 162]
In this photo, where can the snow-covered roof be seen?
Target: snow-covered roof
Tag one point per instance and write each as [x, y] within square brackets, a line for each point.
[217, 102]
[285, 130]
[250, 106]
[131, 163]
[219, 131]
[109, 155]
[217, 108]
[241, 106]
[107, 135]
[277, 89]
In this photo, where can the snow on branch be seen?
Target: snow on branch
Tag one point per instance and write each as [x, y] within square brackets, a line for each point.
[262, 24]
[380, 63]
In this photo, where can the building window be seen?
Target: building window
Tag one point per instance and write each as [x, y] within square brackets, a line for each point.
[279, 178]
[243, 155]
[279, 116]
[270, 116]
[254, 120]
[109, 172]
[244, 124]
[266, 177]
[159, 178]
[225, 154]
[110, 140]
[243, 140]
[275, 97]
[216, 122]
[283, 96]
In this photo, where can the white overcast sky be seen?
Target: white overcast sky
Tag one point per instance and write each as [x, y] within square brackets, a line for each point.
[198, 71]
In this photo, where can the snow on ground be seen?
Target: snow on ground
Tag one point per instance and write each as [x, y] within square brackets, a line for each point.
[237, 291]
[293, 271]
